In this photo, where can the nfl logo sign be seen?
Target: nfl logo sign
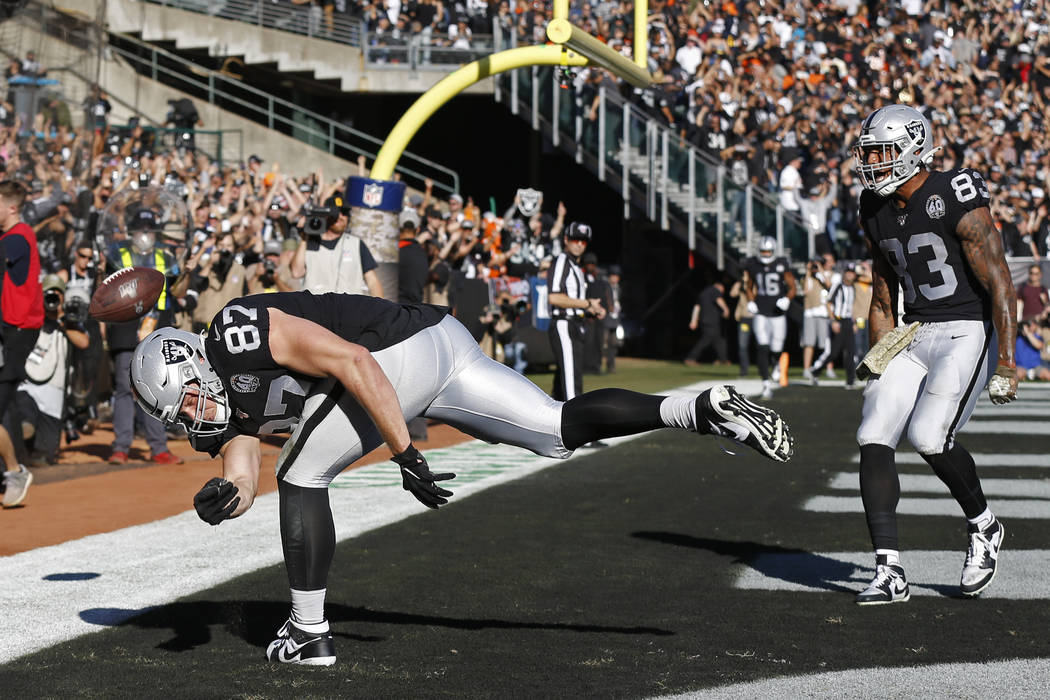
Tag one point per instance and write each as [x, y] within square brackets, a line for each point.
[373, 195]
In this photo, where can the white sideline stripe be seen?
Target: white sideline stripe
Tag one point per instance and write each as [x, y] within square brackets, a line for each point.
[1016, 678]
[930, 573]
[1013, 427]
[915, 483]
[156, 563]
[982, 459]
[1027, 508]
[1041, 410]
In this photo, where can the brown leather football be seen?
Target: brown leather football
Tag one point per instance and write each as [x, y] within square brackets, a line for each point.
[127, 294]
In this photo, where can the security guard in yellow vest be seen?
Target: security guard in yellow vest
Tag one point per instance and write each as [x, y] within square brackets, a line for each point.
[140, 250]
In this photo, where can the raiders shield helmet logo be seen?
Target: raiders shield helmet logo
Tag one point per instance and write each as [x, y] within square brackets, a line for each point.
[916, 131]
[529, 201]
[174, 351]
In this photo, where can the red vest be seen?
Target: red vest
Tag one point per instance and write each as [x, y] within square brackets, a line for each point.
[23, 305]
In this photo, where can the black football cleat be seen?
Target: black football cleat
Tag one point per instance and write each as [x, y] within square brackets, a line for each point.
[296, 646]
[888, 586]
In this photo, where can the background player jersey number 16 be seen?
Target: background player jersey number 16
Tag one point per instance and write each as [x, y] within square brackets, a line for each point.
[244, 337]
[768, 283]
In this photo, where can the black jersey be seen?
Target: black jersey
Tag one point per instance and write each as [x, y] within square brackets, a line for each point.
[920, 244]
[770, 284]
[267, 398]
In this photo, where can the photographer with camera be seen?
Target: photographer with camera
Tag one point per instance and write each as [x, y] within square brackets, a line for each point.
[82, 389]
[328, 258]
[219, 275]
[182, 114]
[268, 275]
[816, 331]
[41, 396]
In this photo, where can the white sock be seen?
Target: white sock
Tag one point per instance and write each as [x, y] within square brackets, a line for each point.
[893, 556]
[308, 610]
[679, 412]
[983, 521]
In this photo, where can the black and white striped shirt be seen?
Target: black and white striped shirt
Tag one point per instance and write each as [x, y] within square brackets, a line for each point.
[840, 299]
[566, 277]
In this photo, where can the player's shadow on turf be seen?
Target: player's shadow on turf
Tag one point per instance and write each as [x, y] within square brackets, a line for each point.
[795, 566]
[256, 622]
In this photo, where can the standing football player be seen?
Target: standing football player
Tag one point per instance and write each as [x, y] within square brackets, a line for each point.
[931, 233]
[771, 289]
[342, 373]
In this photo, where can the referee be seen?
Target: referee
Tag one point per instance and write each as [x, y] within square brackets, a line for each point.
[840, 309]
[569, 307]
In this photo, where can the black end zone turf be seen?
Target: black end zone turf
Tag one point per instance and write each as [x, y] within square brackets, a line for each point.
[609, 576]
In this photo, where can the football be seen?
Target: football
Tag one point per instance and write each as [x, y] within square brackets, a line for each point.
[127, 294]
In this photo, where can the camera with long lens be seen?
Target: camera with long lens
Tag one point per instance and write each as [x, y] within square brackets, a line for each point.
[37, 210]
[317, 220]
[269, 276]
[76, 305]
[52, 300]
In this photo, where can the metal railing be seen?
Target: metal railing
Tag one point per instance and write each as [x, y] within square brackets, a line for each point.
[277, 114]
[675, 183]
[380, 50]
[235, 96]
[425, 49]
[308, 20]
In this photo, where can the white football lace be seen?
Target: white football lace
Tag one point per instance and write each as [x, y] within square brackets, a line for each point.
[979, 546]
[883, 576]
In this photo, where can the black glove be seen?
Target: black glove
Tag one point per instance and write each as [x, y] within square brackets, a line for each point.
[213, 502]
[417, 478]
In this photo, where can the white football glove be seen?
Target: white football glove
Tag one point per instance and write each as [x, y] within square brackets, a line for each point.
[1000, 386]
[783, 303]
[752, 307]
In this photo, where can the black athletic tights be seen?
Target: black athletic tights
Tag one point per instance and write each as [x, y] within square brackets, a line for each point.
[880, 487]
[307, 535]
[608, 413]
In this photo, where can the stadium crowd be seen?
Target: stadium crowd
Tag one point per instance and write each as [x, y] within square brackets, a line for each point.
[767, 85]
[777, 91]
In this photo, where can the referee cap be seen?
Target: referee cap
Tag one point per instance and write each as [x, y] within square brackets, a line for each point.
[578, 231]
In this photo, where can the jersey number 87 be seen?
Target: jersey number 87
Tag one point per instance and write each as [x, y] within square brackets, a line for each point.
[244, 337]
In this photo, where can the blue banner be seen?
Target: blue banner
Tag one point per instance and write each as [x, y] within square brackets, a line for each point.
[381, 195]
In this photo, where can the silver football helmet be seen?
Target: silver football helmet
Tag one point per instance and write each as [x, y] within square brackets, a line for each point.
[903, 139]
[166, 366]
[767, 249]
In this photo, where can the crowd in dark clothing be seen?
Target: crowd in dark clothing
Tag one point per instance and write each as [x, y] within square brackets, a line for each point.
[759, 84]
